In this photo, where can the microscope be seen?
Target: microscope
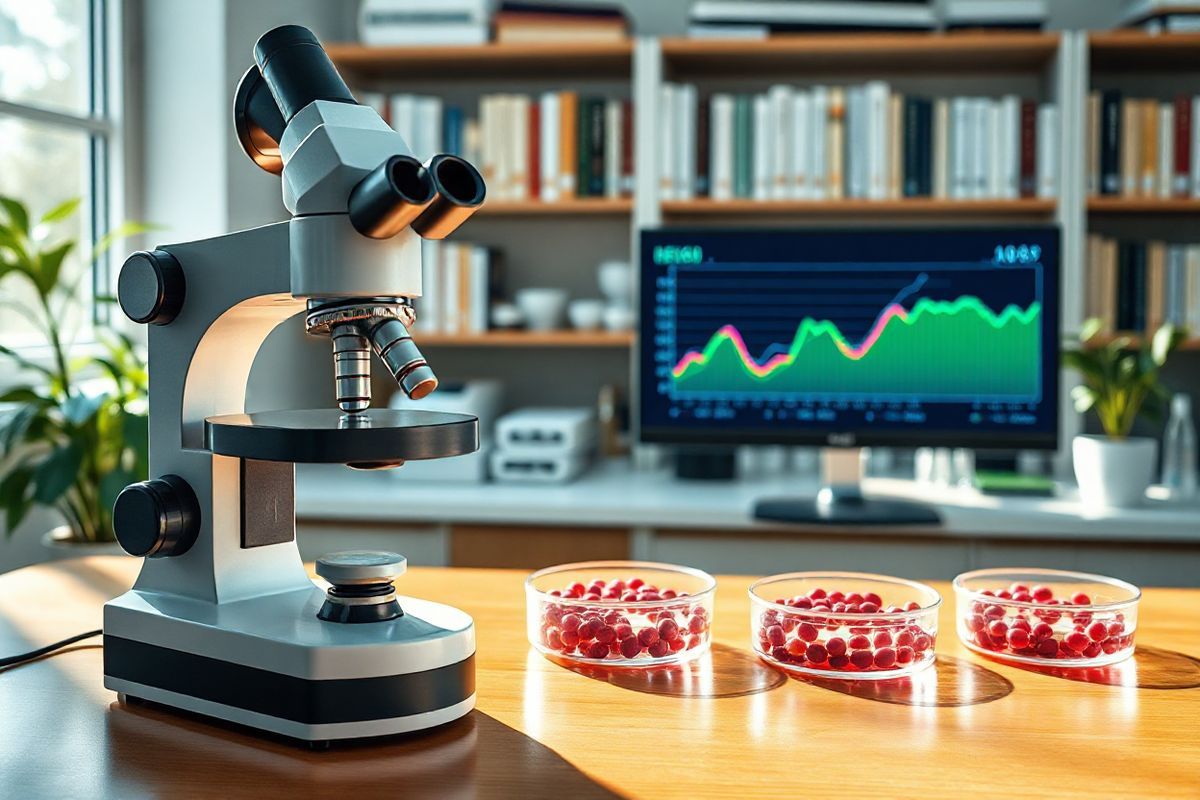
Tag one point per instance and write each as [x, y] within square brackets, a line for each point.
[223, 620]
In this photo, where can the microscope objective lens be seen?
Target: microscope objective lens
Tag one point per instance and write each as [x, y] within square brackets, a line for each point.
[352, 368]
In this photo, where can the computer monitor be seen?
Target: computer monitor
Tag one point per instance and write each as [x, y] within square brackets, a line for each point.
[904, 337]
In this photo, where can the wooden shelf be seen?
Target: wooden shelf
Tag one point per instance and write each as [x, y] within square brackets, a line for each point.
[1143, 205]
[1135, 341]
[565, 338]
[581, 206]
[1137, 51]
[917, 206]
[493, 60]
[1000, 51]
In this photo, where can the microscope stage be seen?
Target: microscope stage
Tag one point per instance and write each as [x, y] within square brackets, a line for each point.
[377, 436]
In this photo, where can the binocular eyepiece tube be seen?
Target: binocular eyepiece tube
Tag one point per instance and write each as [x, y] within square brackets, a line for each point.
[434, 198]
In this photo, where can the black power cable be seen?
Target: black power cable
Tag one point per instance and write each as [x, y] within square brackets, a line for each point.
[21, 658]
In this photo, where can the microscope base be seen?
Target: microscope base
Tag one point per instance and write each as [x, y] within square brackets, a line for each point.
[327, 681]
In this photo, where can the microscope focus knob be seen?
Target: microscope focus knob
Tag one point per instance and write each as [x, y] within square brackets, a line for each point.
[151, 287]
[157, 518]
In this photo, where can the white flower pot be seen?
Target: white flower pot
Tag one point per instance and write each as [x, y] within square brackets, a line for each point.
[60, 545]
[1113, 473]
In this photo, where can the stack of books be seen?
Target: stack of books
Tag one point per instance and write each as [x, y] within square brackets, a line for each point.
[867, 141]
[1162, 16]
[556, 146]
[530, 22]
[1137, 286]
[423, 22]
[1009, 14]
[1143, 148]
[459, 283]
[760, 18]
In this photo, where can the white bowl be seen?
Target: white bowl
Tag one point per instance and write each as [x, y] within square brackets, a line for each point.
[618, 318]
[543, 308]
[616, 282]
[586, 315]
[507, 315]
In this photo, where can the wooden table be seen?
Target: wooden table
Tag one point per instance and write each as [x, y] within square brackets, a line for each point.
[727, 726]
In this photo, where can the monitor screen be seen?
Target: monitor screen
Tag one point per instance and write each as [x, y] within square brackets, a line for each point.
[855, 337]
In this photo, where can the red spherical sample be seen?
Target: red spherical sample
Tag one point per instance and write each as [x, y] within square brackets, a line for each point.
[623, 630]
[882, 639]
[631, 647]
[1080, 599]
[1097, 631]
[606, 634]
[659, 648]
[597, 650]
[668, 629]
[647, 636]
[862, 658]
[569, 638]
[1076, 640]
[588, 629]
[1017, 638]
[796, 648]
[779, 653]
[871, 597]
[839, 662]
[776, 635]
[1041, 632]
[904, 655]
[816, 653]
[997, 628]
[922, 642]
[571, 622]
[885, 658]
[1047, 648]
[1042, 593]
[817, 594]
[553, 639]
[807, 632]
[904, 639]
[697, 625]
[859, 642]
[835, 646]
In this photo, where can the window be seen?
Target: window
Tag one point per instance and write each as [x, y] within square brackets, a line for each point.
[58, 134]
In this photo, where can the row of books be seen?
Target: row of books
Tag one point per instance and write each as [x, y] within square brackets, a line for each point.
[829, 143]
[1143, 147]
[760, 18]
[459, 281]
[1136, 286]
[551, 147]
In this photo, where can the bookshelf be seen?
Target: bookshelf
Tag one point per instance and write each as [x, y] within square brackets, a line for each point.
[923, 206]
[586, 339]
[602, 206]
[1139, 52]
[1111, 204]
[489, 61]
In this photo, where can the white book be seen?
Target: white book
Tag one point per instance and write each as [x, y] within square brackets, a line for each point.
[1166, 148]
[402, 114]
[429, 128]
[720, 148]
[995, 150]
[959, 155]
[519, 146]
[800, 184]
[1047, 150]
[549, 136]
[612, 148]
[762, 147]
[782, 99]
[877, 95]
[666, 142]
[471, 141]
[684, 119]
[480, 281]
[856, 138]
[941, 147]
[451, 288]
[1195, 154]
[818, 163]
[1174, 308]
[980, 144]
[1192, 269]
[428, 305]
[1010, 126]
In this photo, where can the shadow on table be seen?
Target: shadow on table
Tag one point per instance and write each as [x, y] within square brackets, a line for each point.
[153, 752]
[723, 671]
[949, 682]
[1148, 668]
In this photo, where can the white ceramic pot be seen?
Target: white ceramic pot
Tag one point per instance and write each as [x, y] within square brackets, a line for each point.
[542, 308]
[59, 545]
[1113, 473]
[586, 315]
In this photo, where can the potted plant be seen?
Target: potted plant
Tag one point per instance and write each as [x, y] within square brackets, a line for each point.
[1119, 385]
[74, 434]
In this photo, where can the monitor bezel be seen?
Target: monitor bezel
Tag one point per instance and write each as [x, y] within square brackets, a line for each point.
[995, 440]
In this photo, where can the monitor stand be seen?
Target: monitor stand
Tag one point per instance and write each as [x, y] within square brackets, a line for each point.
[840, 500]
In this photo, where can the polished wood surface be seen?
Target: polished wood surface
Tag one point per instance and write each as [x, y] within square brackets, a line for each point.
[725, 726]
[1143, 205]
[521, 338]
[917, 206]
[1138, 51]
[491, 60]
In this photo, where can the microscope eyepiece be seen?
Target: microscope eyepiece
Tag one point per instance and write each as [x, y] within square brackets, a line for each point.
[459, 193]
[297, 70]
[390, 197]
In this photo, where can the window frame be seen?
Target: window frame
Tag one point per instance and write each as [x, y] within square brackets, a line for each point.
[104, 185]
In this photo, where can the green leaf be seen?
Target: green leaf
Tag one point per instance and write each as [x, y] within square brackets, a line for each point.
[112, 484]
[61, 211]
[56, 474]
[135, 429]
[1090, 329]
[79, 408]
[122, 231]
[1166, 339]
[1084, 398]
[22, 394]
[14, 497]
[14, 428]
[23, 362]
[50, 266]
[18, 215]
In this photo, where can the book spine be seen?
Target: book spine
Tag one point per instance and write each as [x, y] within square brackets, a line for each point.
[1195, 147]
[1028, 148]
[762, 148]
[895, 152]
[912, 145]
[960, 117]
[981, 141]
[877, 153]
[452, 122]
[1092, 151]
[721, 150]
[534, 144]
[818, 113]
[940, 149]
[1155, 284]
[703, 146]
[1137, 295]
[1011, 129]
[835, 145]
[1165, 174]
[480, 284]
[519, 142]
[1148, 183]
[596, 153]
[550, 135]
[994, 115]
[568, 108]
[782, 157]
[612, 148]
[800, 188]
[1124, 285]
[1131, 146]
[449, 287]
[1047, 157]
[743, 146]
[1110, 142]
[427, 306]
[666, 142]
[627, 147]
[685, 136]
[855, 143]
[1183, 146]
[583, 148]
